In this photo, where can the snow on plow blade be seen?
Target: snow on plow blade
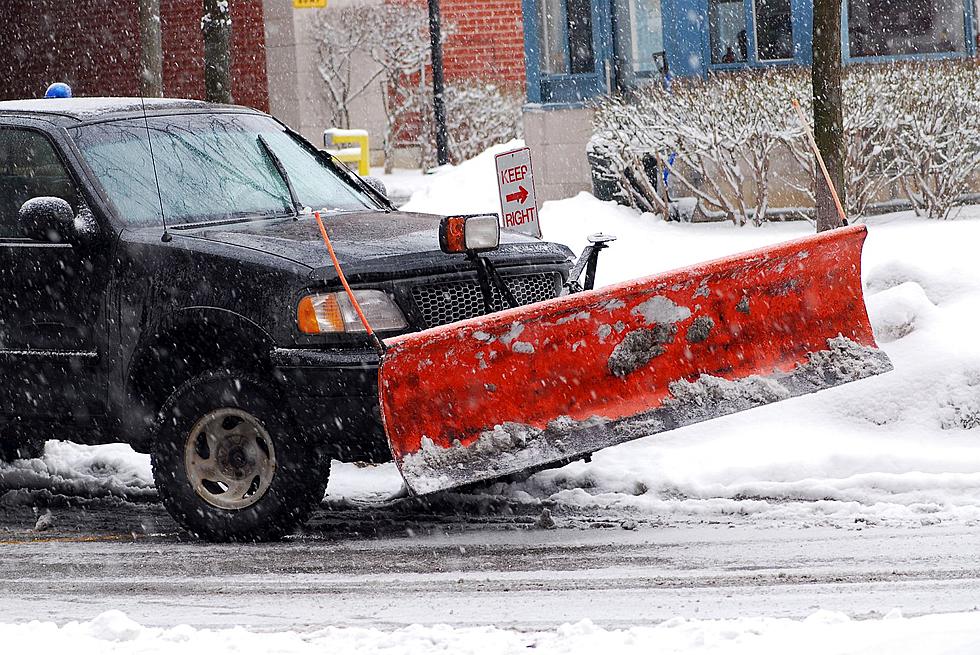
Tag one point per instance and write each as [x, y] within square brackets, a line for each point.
[526, 388]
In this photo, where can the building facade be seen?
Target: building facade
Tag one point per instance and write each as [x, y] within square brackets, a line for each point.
[484, 40]
[93, 45]
[581, 49]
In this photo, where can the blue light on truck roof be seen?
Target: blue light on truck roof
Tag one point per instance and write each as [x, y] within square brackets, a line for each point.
[58, 90]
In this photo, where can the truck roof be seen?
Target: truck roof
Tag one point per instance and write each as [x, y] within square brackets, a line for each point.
[77, 110]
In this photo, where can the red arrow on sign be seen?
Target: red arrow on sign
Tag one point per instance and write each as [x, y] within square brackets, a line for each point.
[520, 194]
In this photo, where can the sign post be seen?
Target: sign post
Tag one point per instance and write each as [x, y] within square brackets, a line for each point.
[518, 205]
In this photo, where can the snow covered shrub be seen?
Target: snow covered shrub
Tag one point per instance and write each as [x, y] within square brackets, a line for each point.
[622, 163]
[870, 133]
[939, 134]
[479, 115]
[960, 409]
[724, 131]
[736, 138]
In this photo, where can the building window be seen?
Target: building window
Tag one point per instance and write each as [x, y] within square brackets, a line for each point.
[646, 36]
[727, 31]
[773, 30]
[566, 37]
[882, 28]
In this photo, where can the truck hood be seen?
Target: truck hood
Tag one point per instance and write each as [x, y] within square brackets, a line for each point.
[369, 244]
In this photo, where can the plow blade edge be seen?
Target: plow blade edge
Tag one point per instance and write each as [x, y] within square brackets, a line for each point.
[534, 386]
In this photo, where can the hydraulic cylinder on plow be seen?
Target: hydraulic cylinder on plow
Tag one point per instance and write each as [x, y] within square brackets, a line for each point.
[535, 386]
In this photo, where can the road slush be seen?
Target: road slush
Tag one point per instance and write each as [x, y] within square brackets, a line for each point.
[515, 181]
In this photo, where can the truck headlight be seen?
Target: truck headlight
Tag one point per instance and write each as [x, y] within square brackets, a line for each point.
[324, 313]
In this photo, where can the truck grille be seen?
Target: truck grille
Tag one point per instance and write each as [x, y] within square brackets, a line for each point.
[455, 301]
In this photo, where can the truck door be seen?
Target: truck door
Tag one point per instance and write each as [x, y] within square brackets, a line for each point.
[52, 344]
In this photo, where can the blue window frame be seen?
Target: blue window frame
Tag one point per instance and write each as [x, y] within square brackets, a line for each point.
[889, 30]
[640, 41]
[579, 49]
[568, 49]
[751, 33]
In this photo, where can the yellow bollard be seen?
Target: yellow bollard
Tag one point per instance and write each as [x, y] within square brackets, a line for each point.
[360, 154]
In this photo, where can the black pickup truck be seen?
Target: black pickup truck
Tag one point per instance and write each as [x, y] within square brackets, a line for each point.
[155, 263]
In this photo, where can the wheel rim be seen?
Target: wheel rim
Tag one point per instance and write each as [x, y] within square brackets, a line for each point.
[230, 459]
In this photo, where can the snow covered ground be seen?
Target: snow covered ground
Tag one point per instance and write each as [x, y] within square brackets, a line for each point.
[823, 633]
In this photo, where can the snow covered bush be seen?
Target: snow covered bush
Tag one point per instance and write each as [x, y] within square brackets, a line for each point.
[939, 140]
[871, 133]
[723, 131]
[343, 38]
[478, 114]
[909, 127]
[960, 406]
[386, 44]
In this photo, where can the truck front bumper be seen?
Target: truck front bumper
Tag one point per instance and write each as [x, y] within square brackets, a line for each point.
[333, 395]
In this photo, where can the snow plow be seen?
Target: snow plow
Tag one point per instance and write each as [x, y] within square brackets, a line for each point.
[538, 386]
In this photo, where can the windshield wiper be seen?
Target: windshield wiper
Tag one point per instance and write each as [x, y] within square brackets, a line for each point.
[297, 205]
[237, 217]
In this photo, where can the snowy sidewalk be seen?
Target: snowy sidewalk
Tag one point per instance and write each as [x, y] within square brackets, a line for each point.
[823, 633]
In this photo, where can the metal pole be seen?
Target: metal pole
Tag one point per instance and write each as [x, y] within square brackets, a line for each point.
[151, 49]
[438, 84]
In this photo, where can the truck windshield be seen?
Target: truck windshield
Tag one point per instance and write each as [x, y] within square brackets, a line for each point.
[210, 167]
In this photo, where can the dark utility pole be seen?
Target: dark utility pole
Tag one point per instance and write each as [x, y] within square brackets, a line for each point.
[828, 107]
[216, 25]
[151, 49]
[438, 84]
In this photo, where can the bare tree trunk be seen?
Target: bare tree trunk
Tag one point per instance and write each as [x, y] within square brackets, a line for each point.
[216, 25]
[151, 49]
[828, 115]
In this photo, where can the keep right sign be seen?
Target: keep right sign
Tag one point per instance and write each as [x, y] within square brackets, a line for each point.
[518, 206]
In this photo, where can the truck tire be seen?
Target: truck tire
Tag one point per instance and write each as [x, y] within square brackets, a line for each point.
[229, 464]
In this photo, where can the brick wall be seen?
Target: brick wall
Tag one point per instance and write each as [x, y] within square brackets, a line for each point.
[94, 46]
[488, 42]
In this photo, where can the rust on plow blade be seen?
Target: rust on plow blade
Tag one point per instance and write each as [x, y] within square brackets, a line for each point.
[521, 389]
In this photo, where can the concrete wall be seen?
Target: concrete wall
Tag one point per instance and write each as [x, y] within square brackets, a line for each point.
[557, 138]
[297, 92]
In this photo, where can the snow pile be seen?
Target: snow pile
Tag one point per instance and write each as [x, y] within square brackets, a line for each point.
[76, 470]
[402, 184]
[823, 633]
[469, 188]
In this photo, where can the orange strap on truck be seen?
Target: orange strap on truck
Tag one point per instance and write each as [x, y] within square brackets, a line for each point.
[375, 341]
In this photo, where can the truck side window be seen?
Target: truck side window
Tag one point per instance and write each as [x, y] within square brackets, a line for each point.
[29, 168]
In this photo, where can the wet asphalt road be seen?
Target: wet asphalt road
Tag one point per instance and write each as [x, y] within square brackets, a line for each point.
[473, 562]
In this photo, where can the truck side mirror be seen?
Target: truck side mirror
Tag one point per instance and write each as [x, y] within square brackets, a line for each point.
[47, 219]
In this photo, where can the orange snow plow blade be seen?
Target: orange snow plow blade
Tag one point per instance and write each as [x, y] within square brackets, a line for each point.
[536, 386]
